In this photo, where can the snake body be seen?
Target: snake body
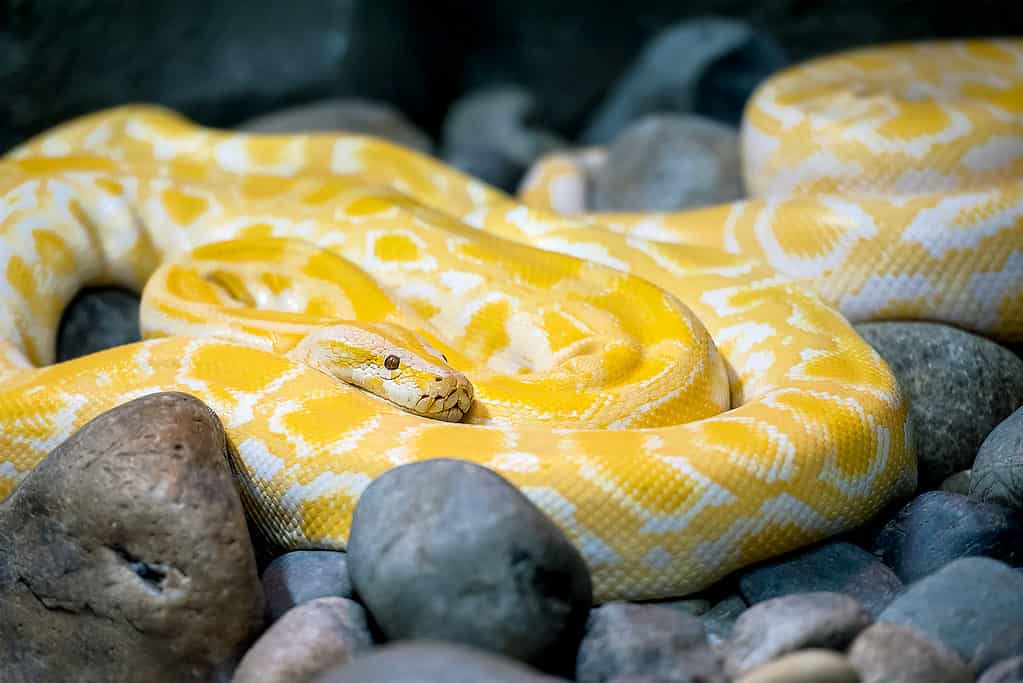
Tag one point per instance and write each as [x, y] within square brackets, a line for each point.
[683, 394]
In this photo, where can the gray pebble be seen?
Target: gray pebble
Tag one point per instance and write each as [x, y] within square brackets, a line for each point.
[466, 557]
[834, 567]
[625, 638]
[957, 483]
[667, 163]
[673, 73]
[793, 622]
[937, 527]
[959, 385]
[1008, 671]
[352, 115]
[492, 134]
[720, 619]
[423, 661]
[1001, 645]
[309, 640]
[303, 575]
[98, 319]
[963, 605]
[998, 469]
[804, 666]
[890, 653]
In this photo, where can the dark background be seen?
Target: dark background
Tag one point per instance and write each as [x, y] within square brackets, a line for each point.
[220, 62]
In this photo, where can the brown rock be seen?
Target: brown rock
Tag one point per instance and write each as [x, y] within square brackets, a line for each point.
[306, 642]
[891, 653]
[805, 666]
[126, 555]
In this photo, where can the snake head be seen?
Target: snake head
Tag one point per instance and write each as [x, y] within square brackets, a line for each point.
[390, 362]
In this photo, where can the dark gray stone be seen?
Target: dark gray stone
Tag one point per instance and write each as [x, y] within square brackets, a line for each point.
[628, 639]
[1002, 645]
[998, 469]
[303, 575]
[959, 385]
[466, 557]
[1008, 671]
[668, 74]
[668, 163]
[834, 567]
[352, 115]
[126, 555]
[890, 653]
[720, 619]
[957, 483]
[963, 604]
[305, 643]
[937, 527]
[424, 661]
[493, 134]
[98, 319]
[793, 622]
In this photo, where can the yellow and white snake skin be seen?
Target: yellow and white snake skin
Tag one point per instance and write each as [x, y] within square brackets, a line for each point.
[666, 387]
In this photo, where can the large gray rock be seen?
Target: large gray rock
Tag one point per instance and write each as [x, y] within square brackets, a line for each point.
[433, 662]
[782, 625]
[628, 639]
[668, 163]
[307, 642]
[1004, 644]
[997, 475]
[890, 653]
[466, 557]
[963, 605]
[959, 385]
[303, 575]
[937, 527]
[835, 567]
[126, 555]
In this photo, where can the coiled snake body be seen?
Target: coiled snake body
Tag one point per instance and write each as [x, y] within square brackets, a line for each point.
[679, 392]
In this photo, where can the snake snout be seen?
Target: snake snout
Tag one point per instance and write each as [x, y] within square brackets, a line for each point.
[449, 398]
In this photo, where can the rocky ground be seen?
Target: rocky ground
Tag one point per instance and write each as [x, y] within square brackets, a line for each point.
[931, 591]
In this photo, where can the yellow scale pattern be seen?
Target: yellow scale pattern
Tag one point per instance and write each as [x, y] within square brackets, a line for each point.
[681, 393]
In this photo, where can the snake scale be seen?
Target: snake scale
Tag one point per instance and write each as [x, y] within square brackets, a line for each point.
[682, 393]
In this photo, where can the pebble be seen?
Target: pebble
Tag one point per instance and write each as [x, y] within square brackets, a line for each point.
[493, 134]
[307, 642]
[958, 482]
[98, 319]
[126, 553]
[998, 469]
[835, 567]
[959, 385]
[778, 626]
[303, 575]
[720, 619]
[1001, 645]
[937, 527]
[625, 638]
[352, 115]
[805, 666]
[424, 661]
[963, 605]
[1008, 671]
[466, 557]
[889, 653]
[668, 162]
[707, 66]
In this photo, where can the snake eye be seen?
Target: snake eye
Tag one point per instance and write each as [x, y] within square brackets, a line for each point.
[444, 357]
[392, 362]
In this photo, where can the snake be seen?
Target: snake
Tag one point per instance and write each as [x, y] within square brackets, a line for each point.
[682, 393]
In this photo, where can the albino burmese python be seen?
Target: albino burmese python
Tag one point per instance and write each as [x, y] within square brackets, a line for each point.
[663, 386]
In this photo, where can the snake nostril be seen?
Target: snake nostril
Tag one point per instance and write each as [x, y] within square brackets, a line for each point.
[437, 378]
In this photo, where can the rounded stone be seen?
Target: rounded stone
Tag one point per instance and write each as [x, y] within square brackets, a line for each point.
[305, 643]
[1007, 671]
[97, 319]
[126, 553]
[782, 625]
[937, 527]
[668, 163]
[957, 483]
[831, 567]
[433, 662]
[963, 605]
[351, 115]
[720, 619]
[998, 469]
[959, 385]
[625, 638]
[805, 666]
[890, 653]
[1007, 643]
[303, 575]
[466, 557]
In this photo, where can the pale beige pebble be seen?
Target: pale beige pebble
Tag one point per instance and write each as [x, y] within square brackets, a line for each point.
[804, 666]
[892, 653]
